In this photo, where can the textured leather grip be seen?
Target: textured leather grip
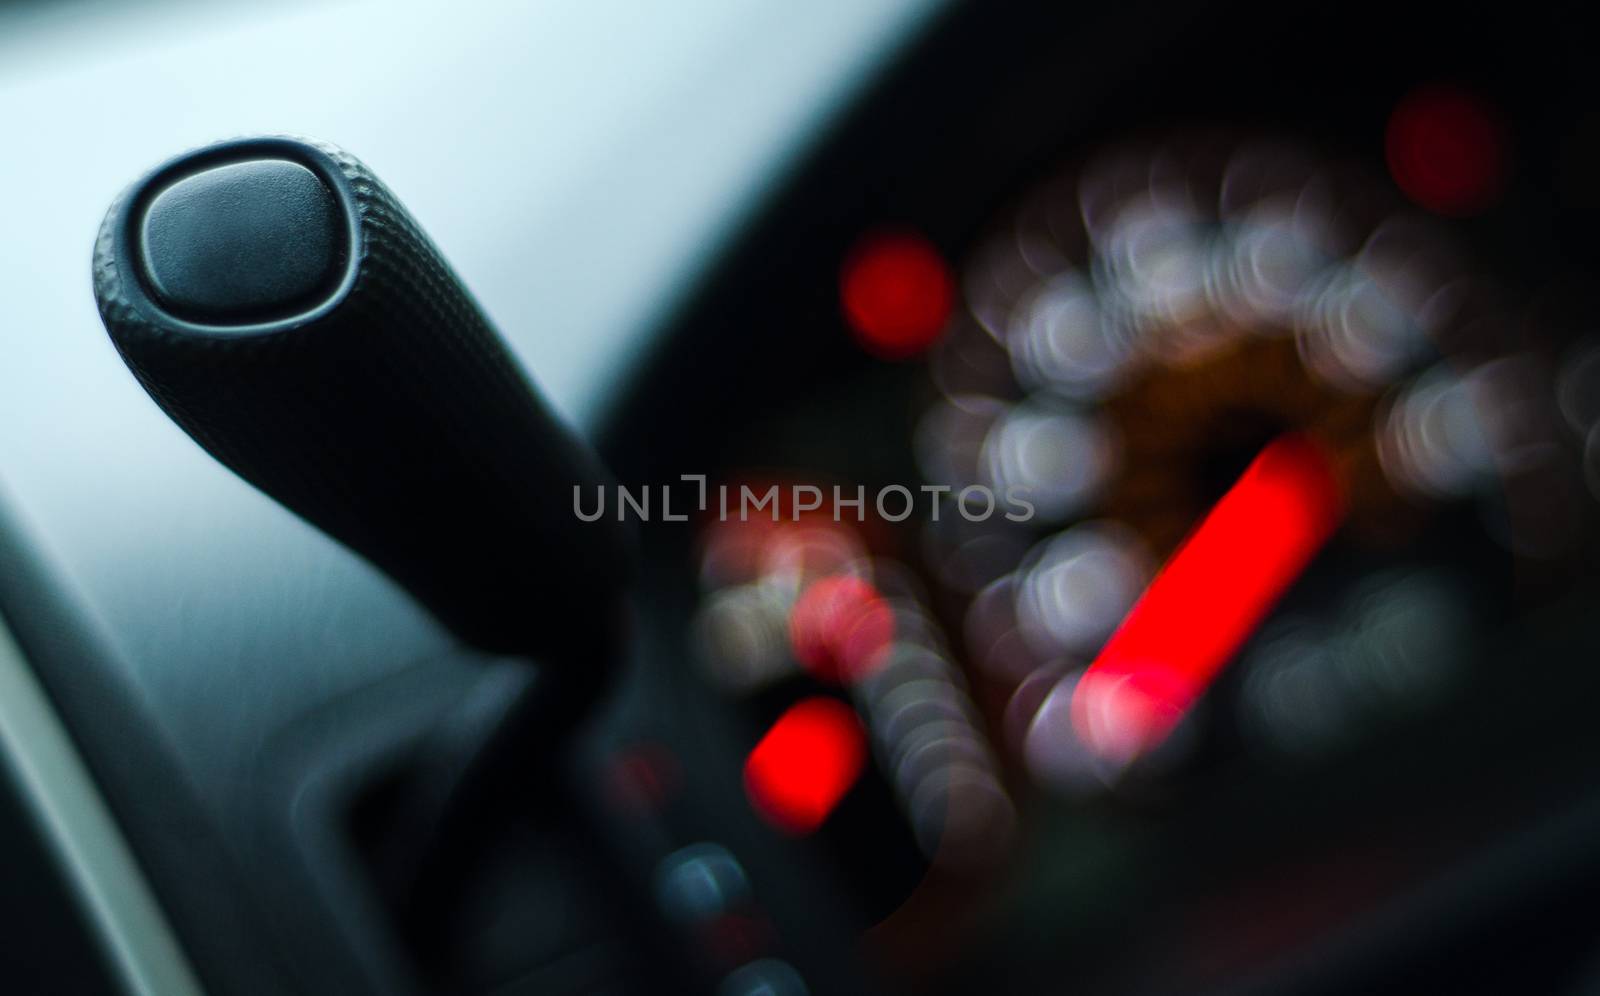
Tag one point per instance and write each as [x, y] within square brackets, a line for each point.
[385, 410]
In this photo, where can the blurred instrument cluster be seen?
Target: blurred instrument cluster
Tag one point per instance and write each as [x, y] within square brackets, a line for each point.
[1291, 462]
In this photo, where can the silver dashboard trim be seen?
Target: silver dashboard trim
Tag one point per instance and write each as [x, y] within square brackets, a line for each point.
[122, 912]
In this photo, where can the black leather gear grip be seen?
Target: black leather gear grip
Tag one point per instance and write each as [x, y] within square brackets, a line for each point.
[384, 409]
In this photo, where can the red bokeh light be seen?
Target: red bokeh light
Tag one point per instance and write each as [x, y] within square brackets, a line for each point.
[1447, 150]
[805, 764]
[840, 628]
[897, 292]
[1208, 599]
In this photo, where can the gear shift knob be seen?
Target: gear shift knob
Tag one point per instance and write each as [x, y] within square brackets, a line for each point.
[282, 307]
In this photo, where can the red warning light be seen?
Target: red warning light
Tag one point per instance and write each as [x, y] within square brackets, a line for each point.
[897, 293]
[805, 764]
[1447, 150]
[841, 629]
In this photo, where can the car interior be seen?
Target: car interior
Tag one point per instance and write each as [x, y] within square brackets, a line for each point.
[866, 497]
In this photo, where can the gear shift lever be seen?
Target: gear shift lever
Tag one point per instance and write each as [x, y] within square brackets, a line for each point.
[282, 307]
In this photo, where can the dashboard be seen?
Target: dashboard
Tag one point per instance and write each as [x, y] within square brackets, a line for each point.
[1113, 494]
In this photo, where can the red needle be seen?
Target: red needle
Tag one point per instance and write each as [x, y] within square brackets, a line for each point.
[1208, 599]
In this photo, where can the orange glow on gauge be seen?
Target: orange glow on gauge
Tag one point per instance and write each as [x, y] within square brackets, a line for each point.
[805, 764]
[840, 628]
[897, 292]
[1447, 151]
[1204, 604]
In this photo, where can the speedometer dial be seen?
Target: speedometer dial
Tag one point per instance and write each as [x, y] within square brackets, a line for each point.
[1287, 462]
[1266, 429]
